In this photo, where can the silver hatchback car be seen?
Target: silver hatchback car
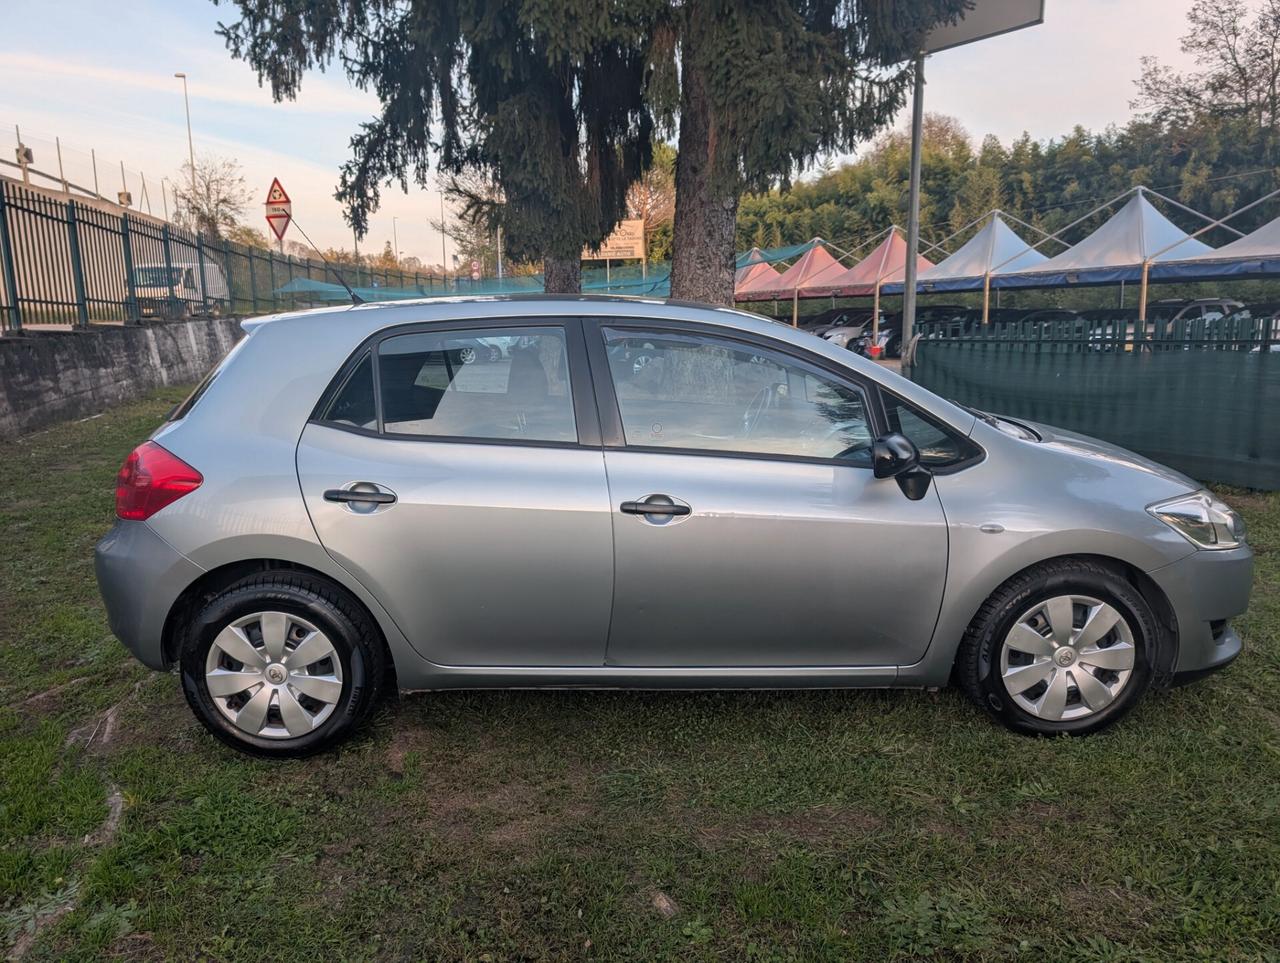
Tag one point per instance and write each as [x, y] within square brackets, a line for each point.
[606, 492]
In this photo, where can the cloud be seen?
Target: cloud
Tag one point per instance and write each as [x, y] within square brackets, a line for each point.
[319, 94]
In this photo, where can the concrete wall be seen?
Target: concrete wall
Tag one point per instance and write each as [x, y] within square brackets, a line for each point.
[49, 377]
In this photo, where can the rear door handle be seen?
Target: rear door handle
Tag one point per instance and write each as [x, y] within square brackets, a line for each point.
[653, 508]
[360, 497]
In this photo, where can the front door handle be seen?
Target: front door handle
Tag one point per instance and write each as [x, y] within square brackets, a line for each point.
[358, 496]
[654, 508]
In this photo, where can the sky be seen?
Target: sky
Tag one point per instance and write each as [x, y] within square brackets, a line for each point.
[100, 76]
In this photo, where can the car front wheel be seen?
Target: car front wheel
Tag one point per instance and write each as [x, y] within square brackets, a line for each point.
[281, 664]
[1063, 648]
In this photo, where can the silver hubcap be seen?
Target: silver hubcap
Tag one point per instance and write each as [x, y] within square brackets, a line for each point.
[1067, 657]
[274, 675]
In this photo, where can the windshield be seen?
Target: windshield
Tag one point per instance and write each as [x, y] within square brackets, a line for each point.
[154, 277]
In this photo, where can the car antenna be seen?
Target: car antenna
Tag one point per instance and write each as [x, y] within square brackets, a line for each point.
[355, 298]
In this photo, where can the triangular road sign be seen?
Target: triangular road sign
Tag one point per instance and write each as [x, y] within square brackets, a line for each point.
[279, 223]
[277, 195]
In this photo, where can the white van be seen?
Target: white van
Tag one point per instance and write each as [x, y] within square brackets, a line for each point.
[174, 290]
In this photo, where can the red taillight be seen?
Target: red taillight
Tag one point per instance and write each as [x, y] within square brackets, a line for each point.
[150, 479]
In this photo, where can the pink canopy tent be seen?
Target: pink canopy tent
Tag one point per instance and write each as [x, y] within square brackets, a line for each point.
[815, 266]
[756, 272]
[885, 264]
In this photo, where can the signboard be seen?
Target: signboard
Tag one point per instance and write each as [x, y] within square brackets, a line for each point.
[475, 270]
[279, 209]
[988, 18]
[625, 243]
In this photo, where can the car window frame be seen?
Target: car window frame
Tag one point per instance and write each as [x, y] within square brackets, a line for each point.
[614, 438]
[585, 416]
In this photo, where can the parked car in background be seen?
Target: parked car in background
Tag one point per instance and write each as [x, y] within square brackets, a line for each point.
[177, 290]
[1267, 315]
[889, 336]
[330, 511]
[852, 326]
[1171, 310]
[819, 324]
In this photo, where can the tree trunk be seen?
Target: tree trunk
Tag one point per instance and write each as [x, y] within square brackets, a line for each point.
[561, 276]
[706, 214]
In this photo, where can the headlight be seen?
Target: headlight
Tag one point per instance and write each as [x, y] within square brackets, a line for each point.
[1202, 520]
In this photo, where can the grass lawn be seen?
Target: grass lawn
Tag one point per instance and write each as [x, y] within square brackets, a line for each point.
[535, 826]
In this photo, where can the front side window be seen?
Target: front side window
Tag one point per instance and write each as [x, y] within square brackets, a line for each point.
[939, 447]
[710, 394]
[504, 383]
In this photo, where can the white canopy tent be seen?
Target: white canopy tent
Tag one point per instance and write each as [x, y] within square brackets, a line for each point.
[1254, 255]
[1122, 249]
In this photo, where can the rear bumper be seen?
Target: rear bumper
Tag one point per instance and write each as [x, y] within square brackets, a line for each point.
[1206, 589]
[140, 575]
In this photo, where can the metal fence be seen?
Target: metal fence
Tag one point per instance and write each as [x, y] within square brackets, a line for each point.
[1198, 395]
[64, 261]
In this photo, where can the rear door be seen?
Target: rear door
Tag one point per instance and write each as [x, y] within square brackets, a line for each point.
[466, 490]
[749, 530]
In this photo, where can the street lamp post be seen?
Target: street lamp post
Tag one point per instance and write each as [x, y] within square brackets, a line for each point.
[191, 149]
[395, 240]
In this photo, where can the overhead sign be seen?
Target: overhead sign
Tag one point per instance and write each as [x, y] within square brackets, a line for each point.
[988, 18]
[279, 209]
[625, 243]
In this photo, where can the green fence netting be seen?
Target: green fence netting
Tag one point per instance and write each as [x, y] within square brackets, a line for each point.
[1207, 409]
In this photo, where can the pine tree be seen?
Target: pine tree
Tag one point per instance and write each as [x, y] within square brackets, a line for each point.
[550, 100]
[767, 88]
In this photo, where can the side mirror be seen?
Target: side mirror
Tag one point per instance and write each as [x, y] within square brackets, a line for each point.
[894, 456]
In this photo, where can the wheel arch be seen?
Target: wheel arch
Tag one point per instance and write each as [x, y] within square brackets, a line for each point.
[1166, 653]
[215, 580]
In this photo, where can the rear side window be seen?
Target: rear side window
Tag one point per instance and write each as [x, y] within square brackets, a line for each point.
[353, 404]
[939, 446]
[483, 384]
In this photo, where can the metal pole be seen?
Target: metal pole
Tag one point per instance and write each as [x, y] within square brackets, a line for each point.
[77, 266]
[191, 149]
[57, 143]
[1142, 292]
[913, 211]
[395, 240]
[93, 158]
[132, 315]
[444, 262]
[499, 253]
[986, 298]
[10, 275]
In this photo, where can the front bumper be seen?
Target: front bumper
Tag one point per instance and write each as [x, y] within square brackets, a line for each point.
[1206, 589]
[140, 576]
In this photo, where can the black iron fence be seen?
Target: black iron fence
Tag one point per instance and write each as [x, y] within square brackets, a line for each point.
[1199, 395]
[64, 261]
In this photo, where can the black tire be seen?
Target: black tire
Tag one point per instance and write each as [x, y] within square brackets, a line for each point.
[978, 659]
[354, 637]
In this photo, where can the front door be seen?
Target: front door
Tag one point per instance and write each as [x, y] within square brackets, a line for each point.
[455, 475]
[749, 530]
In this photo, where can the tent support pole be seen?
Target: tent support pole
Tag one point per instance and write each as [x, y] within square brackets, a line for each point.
[795, 308]
[875, 317]
[986, 297]
[1142, 292]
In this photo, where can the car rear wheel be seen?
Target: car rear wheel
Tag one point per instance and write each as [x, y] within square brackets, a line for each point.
[281, 664]
[1063, 648]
